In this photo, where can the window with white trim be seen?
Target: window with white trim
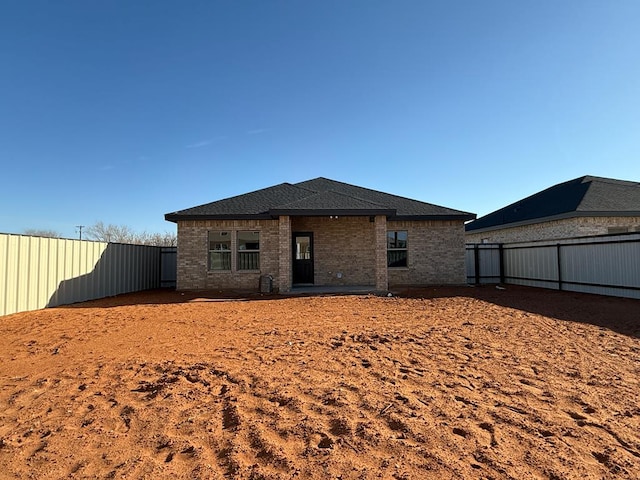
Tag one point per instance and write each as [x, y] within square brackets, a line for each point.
[397, 248]
[220, 250]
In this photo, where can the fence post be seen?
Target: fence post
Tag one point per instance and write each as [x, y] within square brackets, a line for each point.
[501, 260]
[476, 263]
[558, 246]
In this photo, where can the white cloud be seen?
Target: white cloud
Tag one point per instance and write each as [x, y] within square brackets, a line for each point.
[201, 144]
[206, 142]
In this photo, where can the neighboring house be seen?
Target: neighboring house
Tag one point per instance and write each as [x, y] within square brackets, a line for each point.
[584, 206]
[319, 232]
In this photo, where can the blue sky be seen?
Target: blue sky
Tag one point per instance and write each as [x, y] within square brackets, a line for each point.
[122, 111]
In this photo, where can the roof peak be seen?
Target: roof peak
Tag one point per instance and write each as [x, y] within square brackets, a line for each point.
[314, 197]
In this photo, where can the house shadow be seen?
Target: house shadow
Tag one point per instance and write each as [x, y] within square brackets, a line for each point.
[119, 269]
[619, 314]
[101, 289]
[167, 296]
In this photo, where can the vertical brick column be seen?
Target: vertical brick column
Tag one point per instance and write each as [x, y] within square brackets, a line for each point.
[284, 254]
[382, 280]
[192, 256]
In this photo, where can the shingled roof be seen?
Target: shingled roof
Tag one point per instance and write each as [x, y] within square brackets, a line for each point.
[586, 196]
[317, 197]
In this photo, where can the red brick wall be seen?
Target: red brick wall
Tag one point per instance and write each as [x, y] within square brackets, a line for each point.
[435, 253]
[343, 247]
[193, 254]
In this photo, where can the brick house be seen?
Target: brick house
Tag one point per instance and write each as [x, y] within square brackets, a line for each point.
[319, 232]
[584, 206]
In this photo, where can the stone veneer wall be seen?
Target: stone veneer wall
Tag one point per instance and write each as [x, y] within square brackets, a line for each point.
[193, 251]
[555, 229]
[343, 245]
[436, 251]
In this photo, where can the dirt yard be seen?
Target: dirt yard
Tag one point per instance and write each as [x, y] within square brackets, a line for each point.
[466, 383]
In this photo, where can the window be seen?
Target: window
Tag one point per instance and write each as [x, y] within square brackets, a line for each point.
[303, 247]
[612, 230]
[397, 248]
[248, 250]
[219, 251]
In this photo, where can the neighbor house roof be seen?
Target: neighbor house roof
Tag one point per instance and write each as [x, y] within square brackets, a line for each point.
[586, 196]
[320, 196]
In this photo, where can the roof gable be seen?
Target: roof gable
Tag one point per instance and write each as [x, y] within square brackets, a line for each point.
[581, 196]
[320, 196]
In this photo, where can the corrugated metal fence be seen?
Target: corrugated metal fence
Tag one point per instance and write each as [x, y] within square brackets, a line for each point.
[38, 272]
[606, 265]
[483, 263]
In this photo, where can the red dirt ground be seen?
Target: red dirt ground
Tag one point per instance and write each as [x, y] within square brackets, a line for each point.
[446, 383]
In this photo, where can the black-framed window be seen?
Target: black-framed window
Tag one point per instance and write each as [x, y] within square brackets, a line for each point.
[397, 248]
[248, 250]
[219, 250]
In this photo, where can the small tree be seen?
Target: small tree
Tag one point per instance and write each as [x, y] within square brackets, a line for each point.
[110, 233]
[165, 239]
[124, 234]
[35, 232]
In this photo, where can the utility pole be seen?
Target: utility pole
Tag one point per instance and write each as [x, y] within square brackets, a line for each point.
[80, 227]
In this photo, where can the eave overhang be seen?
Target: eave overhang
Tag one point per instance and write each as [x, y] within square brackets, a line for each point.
[452, 216]
[177, 217]
[275, 213]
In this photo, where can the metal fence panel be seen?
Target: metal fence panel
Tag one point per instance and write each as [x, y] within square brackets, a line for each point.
[532, 266]
[489, 263]
[469, 264]
[482, 263]
[38, 272]
[169, 266]
[605, 265]
[602, 263]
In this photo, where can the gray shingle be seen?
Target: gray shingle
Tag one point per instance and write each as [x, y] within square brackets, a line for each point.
[580, 196]
[320, 196]
[329, 201]
[607, 195]
[254, 203]
[405, 207]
